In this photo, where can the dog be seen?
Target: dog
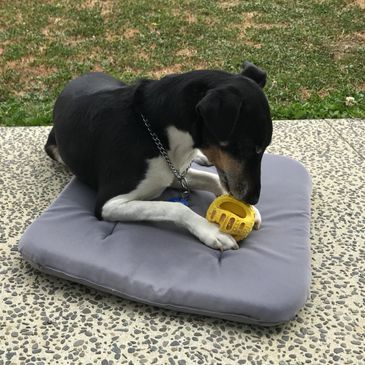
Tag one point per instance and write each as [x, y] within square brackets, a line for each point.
[212, 115]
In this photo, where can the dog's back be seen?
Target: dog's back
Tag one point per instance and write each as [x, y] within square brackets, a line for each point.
[76, 116]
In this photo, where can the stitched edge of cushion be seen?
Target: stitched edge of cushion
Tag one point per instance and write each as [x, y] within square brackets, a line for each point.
[190, 310]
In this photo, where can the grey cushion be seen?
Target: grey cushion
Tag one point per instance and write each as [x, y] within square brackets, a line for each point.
[265, 282]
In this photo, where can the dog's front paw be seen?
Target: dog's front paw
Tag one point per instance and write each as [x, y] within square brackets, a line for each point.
[201, 159]
[258, 219]
[219, 190]
[224, 241]
[211, 236]
[214, 185]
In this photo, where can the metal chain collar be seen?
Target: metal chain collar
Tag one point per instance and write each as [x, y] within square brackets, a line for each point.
[181, 177]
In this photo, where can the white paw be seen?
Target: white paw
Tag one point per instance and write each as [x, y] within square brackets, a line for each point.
[211, 236]
[202, 159]
[218, 190]
[258, 219]
[214, 185]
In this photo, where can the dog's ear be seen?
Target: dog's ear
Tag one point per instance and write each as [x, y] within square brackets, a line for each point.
[254, 73]
[219, 110]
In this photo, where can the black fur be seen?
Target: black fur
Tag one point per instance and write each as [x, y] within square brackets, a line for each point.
[100, 135]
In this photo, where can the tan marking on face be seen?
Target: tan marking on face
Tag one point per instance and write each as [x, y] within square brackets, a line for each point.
[221, 159]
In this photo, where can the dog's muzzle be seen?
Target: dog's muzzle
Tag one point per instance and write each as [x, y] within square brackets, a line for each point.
[239, 188]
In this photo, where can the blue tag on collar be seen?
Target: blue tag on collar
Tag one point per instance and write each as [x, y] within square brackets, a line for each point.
[179, 200]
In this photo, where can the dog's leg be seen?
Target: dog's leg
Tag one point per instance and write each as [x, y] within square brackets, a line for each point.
[118, 209]
[202, 180]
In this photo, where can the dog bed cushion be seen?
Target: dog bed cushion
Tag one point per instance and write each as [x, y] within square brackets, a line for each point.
[265, 282]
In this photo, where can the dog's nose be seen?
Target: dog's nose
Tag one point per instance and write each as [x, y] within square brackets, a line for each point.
[252, 199]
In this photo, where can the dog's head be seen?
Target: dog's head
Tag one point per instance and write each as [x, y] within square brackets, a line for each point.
[237, 128]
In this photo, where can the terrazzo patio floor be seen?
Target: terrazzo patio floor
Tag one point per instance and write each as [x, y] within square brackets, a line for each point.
[46, 320]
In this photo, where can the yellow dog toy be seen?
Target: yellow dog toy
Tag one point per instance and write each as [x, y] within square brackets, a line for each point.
[233, 216]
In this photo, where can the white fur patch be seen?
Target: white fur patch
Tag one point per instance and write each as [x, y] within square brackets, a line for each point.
[157, 179]
[181, 151]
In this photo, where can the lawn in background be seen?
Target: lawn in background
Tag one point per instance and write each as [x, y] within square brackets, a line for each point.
[313, 50]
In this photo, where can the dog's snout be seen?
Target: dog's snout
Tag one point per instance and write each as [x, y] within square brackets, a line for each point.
[242, 181]
[252, 195]
[252, 199]
[242, 193]
[247, 192]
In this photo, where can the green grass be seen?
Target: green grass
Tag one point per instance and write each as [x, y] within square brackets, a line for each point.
[313, 50]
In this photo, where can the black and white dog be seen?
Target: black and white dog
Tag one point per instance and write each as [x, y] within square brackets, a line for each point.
[100, 135]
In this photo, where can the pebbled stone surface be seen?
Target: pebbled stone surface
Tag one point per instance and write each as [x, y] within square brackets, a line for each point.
[46, 320]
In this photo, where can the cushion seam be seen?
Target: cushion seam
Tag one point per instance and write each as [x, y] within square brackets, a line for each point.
[47, 268]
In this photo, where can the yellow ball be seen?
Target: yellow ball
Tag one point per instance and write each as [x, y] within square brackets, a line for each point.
[233, 216]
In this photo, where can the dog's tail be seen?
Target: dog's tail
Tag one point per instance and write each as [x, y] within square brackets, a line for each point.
[51, 147]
